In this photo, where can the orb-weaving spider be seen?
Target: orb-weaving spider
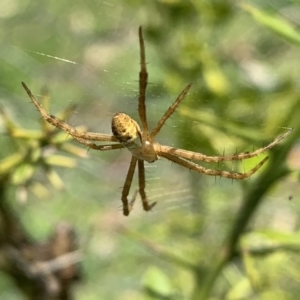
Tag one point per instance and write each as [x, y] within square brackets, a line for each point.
[141, 144]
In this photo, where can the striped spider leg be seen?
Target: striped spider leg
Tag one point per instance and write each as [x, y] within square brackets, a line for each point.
[128, 134]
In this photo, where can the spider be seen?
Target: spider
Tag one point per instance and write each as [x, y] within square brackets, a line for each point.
[140, 142]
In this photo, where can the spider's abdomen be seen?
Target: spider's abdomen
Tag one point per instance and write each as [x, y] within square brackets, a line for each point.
[126, 130]
[128, 133]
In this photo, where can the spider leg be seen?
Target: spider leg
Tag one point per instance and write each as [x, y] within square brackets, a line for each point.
[98, 147]
[190, 155]
[66, 127]
[142, 185]
[143, 81]
[127, 207]
[195, 167]
[169, 112]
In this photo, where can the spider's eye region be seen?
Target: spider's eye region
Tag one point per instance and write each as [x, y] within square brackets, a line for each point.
[150, 154]
[145, 152]
[126, 130]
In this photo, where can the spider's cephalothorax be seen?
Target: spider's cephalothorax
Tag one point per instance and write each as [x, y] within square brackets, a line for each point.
[141, 144]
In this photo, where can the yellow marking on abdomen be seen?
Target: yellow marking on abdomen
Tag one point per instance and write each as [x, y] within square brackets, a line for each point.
[126, 130]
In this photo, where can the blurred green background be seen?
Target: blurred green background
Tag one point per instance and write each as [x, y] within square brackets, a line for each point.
[207, 238]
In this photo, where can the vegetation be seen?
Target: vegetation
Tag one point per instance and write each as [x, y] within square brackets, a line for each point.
[207, 238]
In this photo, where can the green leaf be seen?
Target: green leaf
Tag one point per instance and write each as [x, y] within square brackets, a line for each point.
[155, 280]
[275, 23]
[23, 173]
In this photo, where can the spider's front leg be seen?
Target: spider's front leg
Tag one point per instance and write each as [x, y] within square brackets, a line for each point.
[128, 205]
[142, 186]
[126, 188]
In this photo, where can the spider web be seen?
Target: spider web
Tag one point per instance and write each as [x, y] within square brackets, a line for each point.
[106, 79]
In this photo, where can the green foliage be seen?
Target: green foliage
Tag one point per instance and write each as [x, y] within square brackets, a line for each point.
[206, 238]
